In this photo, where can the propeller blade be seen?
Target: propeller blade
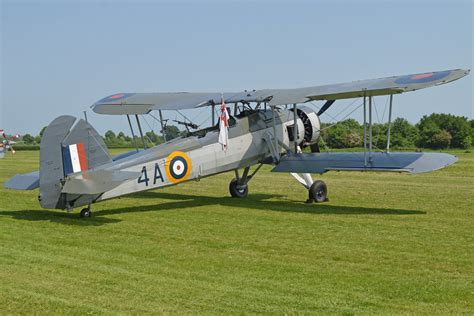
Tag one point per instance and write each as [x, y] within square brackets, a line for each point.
[315, 148]
[326, 106]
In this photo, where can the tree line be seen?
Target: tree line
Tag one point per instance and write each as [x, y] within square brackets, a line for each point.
[435, 131]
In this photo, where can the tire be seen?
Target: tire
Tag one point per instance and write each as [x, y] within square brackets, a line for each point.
[236, 191]
[85, 213]
[318, 191]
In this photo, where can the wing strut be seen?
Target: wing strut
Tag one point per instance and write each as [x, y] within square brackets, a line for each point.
[389, 122]
[133, 134]
[213, 111]
[162, 126]
[275, 132]
[370, 126]
[365, 130]
[369, 147]
[370, 129]
[141, 132]
[295, 127]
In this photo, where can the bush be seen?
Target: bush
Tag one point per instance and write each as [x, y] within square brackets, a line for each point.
[466, 142]
[457, 126]
[28, 139]
[441, 140]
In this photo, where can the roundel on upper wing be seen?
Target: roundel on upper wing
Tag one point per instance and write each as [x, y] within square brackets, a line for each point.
[423, 78]
[116, 97]
[178, 166]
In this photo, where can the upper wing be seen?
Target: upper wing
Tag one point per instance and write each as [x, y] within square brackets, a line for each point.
[141, 103]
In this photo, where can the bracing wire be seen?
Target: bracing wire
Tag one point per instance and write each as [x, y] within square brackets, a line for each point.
[156, 119]
[347, 107]
[335, 120]
[323, 129]
[376, 112]
[317, 107]
[145, 136]
[147, 123]
[205, 120]
[385, 108]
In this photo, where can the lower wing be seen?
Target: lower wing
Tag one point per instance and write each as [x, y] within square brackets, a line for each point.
[396, 162]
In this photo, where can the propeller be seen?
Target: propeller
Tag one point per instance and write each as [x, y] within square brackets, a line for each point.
[326, 106]
[315, 148]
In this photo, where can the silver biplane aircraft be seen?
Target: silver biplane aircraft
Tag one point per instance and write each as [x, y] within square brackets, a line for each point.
[267, 127]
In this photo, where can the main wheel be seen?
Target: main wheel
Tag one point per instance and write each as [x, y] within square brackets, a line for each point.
[85, 212]
[318, 191]
[238, 190]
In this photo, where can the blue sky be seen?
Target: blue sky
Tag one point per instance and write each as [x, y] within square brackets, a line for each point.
[59, 57]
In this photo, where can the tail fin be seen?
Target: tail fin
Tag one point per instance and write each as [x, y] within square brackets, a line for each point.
[67, 146]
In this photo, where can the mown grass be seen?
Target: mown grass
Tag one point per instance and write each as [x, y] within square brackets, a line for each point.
[383, 244]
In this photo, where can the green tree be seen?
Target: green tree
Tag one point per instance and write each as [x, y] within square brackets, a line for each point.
[471, 123]
[353, 139]
[457, 126]
[403, 134]
[110, 138]
[110, 135]
[467, 142]
[345, 134]
[28, 139]
[154, 138]
[122, 136]
[441, 140]
[171, 132]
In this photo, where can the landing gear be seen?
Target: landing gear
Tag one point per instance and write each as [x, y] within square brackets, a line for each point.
[85, 213]
[317, 192]
[238, 190]
[238, 187]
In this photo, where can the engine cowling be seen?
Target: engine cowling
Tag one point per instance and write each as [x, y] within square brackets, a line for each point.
[312, 125]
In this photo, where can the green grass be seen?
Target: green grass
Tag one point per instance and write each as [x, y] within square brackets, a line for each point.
[383, 244]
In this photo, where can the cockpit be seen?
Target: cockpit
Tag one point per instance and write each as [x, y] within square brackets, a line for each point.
[202, 132]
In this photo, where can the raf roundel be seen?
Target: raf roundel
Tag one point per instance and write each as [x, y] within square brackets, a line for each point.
[116, 97]
[178, 167]
[423, 78]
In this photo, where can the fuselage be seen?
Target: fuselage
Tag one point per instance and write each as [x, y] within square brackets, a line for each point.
[195, 157]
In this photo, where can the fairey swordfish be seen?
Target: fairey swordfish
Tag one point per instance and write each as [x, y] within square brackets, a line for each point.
[269, 126]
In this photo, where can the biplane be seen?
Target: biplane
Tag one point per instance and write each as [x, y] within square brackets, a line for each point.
[7, 143]
[270, 126]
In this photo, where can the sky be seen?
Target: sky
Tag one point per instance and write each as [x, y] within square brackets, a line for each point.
[59, 57]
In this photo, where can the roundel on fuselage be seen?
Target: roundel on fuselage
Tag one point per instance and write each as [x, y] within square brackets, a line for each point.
[178, 167]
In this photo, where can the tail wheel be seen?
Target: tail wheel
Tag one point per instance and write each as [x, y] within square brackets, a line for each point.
[318, 191]
[85, 212]
[238, 190]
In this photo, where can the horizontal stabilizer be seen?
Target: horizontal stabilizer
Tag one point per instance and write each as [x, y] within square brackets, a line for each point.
[398, 162]
[28, 181]
[97, 182]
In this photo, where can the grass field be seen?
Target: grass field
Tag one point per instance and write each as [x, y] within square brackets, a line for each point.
[383, 244]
